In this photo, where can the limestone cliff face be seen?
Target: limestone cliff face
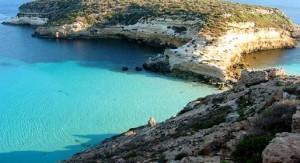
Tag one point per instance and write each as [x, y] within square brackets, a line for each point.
[216, 59]
[160, 31]
[209, 36]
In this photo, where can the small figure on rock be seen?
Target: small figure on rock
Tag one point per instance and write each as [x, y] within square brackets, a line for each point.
[125, 68]
[138, 69]
[56, 34]
[152, 122]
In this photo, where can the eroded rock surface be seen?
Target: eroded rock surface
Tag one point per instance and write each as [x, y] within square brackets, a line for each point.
[285, 148]
[252, 77]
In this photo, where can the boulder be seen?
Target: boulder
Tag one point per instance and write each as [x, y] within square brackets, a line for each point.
[284, 148]
[253, 77]
[130, 133]
[159, 63]
[138, 69]
[275, 72]
[151, 122]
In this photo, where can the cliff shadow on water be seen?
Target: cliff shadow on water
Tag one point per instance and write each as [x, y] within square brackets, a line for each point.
[110, 54]
[53, 156]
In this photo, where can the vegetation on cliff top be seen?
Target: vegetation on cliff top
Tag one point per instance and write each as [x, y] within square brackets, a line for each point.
[217, 14]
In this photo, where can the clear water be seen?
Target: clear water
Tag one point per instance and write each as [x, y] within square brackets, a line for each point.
[61, 97]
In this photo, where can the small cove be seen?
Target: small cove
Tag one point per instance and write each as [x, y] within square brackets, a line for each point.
[288, 59]
[59, 97]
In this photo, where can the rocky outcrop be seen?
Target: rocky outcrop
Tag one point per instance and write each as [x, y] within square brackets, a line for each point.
[207, 40]
[159, 63]
[152, 122]
[217, 59]
[284, 148]
[27, 20]
[296, 121]
[252, 77]
[210, 129]
[296, 32]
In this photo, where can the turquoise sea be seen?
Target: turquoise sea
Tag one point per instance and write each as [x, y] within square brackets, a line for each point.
[61, 97]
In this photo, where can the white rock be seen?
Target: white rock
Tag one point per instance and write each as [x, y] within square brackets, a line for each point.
[152, 122]
[36, 21]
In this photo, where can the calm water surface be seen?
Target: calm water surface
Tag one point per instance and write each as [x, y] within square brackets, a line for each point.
[61, 97]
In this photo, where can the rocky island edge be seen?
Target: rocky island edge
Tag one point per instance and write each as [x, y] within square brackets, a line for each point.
[206, 39]
[258, 120]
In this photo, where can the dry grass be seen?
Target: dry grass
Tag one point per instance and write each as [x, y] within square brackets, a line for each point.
[109, 12]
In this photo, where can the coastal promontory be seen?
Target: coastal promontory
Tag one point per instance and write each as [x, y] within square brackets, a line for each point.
[203, 38]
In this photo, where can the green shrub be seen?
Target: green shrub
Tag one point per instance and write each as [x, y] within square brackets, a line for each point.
[277, 118]
[162, 159]
[103, 12]
[249, 150]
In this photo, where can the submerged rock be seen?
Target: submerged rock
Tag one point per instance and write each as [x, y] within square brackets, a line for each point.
[5, 64]
[138, 69]
[125, 68]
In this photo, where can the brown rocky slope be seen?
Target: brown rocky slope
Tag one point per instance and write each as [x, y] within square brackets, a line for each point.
[234, 126]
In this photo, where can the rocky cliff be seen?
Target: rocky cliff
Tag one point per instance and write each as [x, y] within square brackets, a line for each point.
[234, 126]
[207, 37]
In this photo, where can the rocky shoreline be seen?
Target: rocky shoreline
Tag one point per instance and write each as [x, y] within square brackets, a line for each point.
[207, 41]
[234, 126]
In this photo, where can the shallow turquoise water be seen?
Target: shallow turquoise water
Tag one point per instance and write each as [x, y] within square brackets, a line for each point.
[61, 97]
[60, 108]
